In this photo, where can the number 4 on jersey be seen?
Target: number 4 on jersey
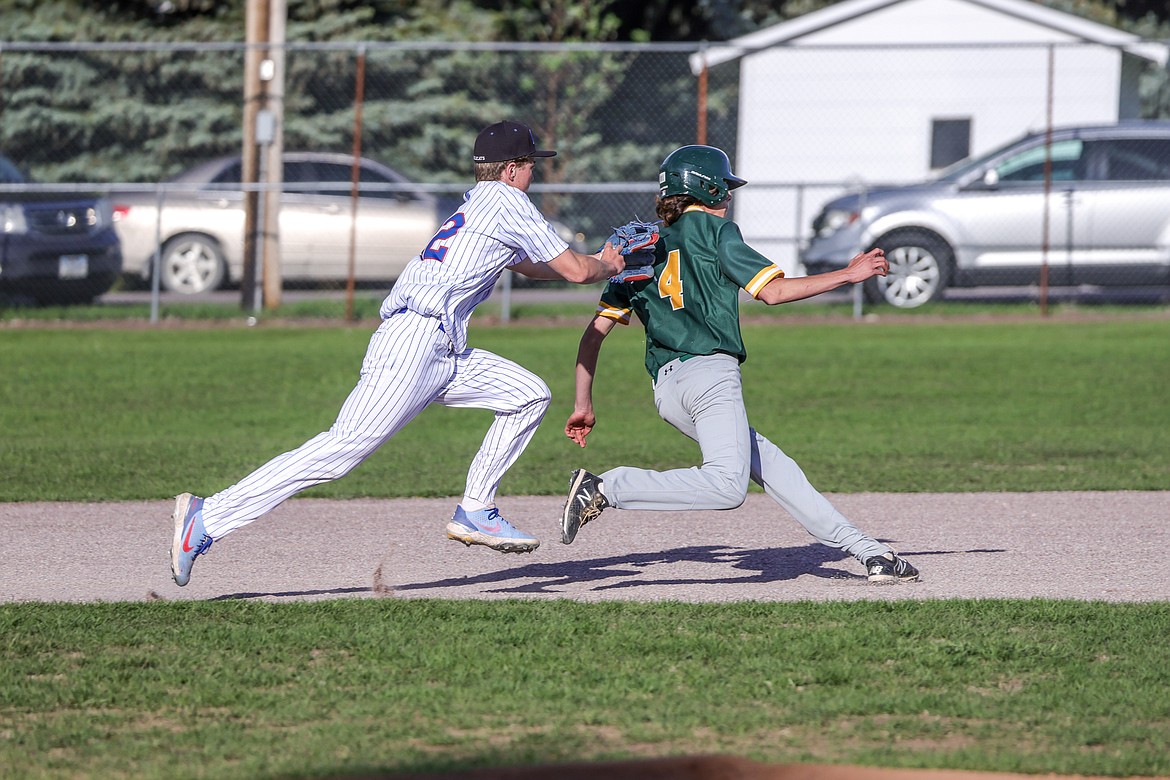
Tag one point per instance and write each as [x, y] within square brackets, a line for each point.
[437, 249]
[670, 280]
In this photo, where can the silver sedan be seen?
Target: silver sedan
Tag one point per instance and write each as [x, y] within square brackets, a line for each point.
[200, 234]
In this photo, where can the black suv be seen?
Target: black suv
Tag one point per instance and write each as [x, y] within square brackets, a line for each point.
[55, 247]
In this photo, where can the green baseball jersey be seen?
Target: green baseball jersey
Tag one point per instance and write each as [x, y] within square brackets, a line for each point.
[691, 306]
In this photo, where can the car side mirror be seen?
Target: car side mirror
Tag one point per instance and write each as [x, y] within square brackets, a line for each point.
[991, 179]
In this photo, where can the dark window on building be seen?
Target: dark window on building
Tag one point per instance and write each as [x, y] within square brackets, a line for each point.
[950, 141]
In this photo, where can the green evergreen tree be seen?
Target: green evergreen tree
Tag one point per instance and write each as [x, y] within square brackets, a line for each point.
[96, 113]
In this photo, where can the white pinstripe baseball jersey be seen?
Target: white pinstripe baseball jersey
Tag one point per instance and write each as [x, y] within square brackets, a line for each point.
[496, 227]
[419, 356]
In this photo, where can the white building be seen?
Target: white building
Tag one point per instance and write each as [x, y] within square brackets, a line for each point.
[890, 91]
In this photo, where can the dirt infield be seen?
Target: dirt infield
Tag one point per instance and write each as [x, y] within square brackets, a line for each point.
[1093, 545]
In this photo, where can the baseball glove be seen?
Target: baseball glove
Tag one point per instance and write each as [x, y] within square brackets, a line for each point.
[635, 240]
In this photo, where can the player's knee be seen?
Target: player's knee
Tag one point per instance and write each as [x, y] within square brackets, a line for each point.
[730, 500]
[731, 490]
[537, 397]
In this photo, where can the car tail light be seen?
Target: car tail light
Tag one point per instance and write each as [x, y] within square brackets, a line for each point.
[121, 211]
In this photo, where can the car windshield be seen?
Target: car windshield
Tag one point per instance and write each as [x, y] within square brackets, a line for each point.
[9, 173]
[961, 168]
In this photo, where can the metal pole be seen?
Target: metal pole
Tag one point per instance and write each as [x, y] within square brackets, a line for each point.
[858, 289]
[506, 297]
[261, 214]
[156, 258]
[1047, 188]
[701, 119]
[359, 91]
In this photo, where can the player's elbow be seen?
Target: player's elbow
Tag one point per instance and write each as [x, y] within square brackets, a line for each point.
[774, 292]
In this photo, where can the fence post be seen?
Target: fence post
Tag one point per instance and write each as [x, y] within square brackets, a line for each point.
[858, 289]
[1044, 239]
[701, 101]
[359, 91]
[156, 258]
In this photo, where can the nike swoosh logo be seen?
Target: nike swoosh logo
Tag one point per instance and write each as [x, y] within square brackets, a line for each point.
[490, 527]
[187, 538]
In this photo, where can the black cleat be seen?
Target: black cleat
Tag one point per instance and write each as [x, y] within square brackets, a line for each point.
[890, 568]
[584, 503]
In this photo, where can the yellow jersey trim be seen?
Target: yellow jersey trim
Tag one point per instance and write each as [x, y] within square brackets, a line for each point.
[613, 313]
[760, 280]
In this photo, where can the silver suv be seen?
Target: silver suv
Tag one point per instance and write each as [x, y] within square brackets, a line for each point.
[983, 221]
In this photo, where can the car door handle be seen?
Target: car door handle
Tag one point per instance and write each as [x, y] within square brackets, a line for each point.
[331, 208]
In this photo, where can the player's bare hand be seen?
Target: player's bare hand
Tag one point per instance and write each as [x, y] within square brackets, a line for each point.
[579, 425]
[868, 264]
[611, 256]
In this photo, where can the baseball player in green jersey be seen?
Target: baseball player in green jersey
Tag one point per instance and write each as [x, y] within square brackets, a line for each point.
[690, 310]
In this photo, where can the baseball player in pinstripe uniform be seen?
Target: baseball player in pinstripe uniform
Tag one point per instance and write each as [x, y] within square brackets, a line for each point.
[690, 310]
[419, 356]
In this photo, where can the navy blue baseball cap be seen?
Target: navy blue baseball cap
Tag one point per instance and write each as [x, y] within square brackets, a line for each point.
[507, 141]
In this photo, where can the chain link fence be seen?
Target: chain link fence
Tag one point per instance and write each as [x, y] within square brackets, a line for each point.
[123, 167]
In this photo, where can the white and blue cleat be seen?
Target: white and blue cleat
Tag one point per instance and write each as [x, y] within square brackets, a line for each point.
[191, 538]
[486, 527]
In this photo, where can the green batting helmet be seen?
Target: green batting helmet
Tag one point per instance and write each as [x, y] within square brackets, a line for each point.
[703, 172]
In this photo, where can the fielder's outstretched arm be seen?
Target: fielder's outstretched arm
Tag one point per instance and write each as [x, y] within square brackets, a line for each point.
[860, 268]
[582, 419]
[576, 267]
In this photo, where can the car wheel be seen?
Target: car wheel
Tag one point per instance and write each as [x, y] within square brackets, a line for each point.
[920, 269]
[192, 264]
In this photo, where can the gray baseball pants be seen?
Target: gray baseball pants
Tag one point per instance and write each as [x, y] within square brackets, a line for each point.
[703, 398]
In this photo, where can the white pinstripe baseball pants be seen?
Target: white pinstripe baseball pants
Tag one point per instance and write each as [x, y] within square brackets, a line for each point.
[408, 365]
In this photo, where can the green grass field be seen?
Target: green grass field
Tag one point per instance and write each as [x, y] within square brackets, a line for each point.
[111, 414]
[253, 690]
[249, 690]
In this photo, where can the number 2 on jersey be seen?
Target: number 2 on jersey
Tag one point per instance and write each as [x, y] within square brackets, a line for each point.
[670, 280]
[438, 246]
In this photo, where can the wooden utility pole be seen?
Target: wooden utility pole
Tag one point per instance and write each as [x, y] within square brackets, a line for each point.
[262, 151]
[255, 35]
[273, 77]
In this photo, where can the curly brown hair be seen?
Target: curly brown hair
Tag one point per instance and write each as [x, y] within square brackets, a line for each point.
[670, 208]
